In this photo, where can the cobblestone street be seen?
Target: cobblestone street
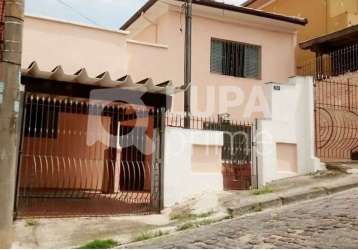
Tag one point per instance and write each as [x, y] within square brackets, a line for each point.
[330, 222]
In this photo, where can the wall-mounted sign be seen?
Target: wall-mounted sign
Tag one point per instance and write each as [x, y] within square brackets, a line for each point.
[276, 87]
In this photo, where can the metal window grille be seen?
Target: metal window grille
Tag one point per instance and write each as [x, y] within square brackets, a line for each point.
[235, 58]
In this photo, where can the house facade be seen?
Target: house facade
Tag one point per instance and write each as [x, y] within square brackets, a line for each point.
[236, 51]
[219, 32]
[163, 43]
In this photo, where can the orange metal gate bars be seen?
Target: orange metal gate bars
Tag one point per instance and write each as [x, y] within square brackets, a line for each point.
[71, 165]
[336, 118]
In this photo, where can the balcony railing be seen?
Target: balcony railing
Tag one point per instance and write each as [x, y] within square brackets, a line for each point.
[334, 63]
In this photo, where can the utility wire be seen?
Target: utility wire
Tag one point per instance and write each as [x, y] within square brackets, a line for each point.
[78, 12]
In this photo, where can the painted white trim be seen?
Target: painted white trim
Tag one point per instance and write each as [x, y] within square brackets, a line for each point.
[291, 121]
[162, 46]
[50, 19]
[180, 181]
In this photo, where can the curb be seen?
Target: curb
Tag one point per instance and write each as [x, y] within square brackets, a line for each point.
[303, 196]
[280, 200]
[271, 201]
[339, 188]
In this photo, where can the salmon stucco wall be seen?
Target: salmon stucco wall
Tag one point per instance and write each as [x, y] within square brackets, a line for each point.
[74, 46]
[210, 90]
[158, 52]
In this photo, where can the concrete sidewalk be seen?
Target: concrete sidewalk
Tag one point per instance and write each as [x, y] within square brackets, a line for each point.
[290, 190]
[198, 211]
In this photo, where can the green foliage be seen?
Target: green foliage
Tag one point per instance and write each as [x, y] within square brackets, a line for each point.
[263, 190]
[100, 244]
[205, 222]
[186, 226]
[186, 215]
[195, 224]
[149, 235]
[31, 223]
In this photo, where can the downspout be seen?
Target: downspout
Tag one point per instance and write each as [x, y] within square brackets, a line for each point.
[187, 62]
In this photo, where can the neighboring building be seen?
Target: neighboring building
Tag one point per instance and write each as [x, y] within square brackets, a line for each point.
[336, 54]
[336, 93]
[324, 17]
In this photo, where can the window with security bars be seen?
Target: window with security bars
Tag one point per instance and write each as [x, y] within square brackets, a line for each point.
[235, 59]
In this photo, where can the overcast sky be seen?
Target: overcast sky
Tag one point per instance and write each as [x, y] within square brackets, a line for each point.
[105, 13]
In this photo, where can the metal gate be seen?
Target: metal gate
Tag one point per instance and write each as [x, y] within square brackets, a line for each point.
[239, 167]
[79, 157]
[336, 118]
[239, 171]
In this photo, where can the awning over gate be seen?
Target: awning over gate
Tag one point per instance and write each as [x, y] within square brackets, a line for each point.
[102, 80]
[80, 84]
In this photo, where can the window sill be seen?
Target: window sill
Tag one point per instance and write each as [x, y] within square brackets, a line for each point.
[236, 77]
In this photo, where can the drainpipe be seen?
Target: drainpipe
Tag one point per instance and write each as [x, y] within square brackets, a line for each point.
[10, 71]
[187, 62]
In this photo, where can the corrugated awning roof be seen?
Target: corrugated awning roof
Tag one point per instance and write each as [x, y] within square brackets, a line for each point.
[102, 80]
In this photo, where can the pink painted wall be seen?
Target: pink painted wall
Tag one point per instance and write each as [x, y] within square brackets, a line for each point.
[277, 58]
[75, 46]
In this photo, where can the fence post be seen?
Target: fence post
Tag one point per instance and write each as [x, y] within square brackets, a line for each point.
[254, 152]
[157, 176]
[161, 157]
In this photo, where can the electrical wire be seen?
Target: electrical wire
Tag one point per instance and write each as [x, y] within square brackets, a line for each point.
[78, 12]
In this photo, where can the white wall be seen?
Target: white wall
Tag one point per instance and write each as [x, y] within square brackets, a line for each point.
[291, 121]
[180, 181]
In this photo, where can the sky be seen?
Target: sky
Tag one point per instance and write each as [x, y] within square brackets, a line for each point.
[109, 14]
